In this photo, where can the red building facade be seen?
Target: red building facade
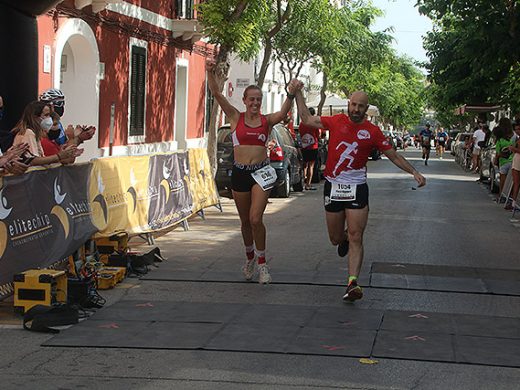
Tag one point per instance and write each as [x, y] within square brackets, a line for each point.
[134, 68]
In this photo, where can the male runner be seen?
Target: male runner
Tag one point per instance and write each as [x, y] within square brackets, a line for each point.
[426, 136]
[310, 138]
[442, 138]
[346, 189]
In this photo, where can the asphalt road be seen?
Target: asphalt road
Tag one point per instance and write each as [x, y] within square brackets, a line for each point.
[450, 222]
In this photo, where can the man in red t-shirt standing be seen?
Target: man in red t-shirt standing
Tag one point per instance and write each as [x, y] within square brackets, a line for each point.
[351, 140]
[309, 136]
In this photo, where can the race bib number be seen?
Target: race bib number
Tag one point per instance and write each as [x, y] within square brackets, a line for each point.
[343, 192]
[265, 177]
[441, 139]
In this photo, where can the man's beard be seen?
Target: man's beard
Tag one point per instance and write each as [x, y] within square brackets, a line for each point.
[356, 117]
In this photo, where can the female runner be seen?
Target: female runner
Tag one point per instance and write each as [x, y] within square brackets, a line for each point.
[252, 176]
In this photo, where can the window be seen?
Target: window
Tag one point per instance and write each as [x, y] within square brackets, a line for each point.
[184, 9]
[137, 91]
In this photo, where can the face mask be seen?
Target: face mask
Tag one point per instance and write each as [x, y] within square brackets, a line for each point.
[54, 134]
[59, 110]
[46, 123]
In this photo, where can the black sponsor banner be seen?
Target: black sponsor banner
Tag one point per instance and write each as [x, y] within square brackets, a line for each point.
[171, 201]
[44, 217]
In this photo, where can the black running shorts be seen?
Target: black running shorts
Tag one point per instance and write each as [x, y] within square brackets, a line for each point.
[309, 154]
[360, 202]
[241, 179]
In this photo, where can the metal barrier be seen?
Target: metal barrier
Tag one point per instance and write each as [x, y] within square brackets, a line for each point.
[508, 187]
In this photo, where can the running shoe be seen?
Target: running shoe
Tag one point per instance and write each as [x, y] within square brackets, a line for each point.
[263, 274]
[343, 247]
[249, 268]
[353, 293]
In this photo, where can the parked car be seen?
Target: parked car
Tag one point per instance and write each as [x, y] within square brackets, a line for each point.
[488, 170]
[452, 135]
[285, 158]
[390, 138]
[458, 142]
[319, 164]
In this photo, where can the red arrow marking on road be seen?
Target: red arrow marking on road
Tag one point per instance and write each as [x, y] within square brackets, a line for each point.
[333, 347]
[415, 338]
[113, 325]
[418, 315]
[148, 304]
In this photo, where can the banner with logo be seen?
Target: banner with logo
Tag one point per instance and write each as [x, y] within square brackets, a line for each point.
[119, 194]
[169, 182]
[47, 214]
[44, 217]
[202, 183]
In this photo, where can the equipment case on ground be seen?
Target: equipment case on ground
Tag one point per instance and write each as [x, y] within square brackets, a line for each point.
[39, 287]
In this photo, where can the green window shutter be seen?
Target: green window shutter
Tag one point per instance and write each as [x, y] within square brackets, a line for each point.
[137, 91]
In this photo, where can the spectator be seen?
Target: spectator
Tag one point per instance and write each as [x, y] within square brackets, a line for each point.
[478, 138]
[6, 138]
[10, 160]
[55, 99]
[515, 148]
[488, 133]
[72, 135]
[48, 140]
[504, 156]
[29, 129]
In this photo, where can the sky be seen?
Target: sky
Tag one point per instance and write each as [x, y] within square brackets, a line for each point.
[408, 24]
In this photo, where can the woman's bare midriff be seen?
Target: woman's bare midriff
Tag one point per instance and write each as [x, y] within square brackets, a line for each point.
[250, 154]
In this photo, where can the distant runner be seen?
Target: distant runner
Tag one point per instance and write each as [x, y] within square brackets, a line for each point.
[442, 138]
[426, 136]
[351, 140]
[309, 136]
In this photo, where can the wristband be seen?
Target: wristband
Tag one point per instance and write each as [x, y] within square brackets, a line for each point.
[290, 96]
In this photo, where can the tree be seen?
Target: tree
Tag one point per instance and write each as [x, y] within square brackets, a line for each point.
[311, 29]
[365, 61]
[472, 50]
[279, 17]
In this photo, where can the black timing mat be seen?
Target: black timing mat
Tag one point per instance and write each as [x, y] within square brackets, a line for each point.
[309, 330]
[445, 278]
[322, 278]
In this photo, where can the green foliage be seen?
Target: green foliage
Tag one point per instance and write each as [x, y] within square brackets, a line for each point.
[365, 61]
[337, 41]
[473, 51]
[310, 31]
[237, 32]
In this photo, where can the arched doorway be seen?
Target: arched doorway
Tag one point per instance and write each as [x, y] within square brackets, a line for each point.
[76, 73]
